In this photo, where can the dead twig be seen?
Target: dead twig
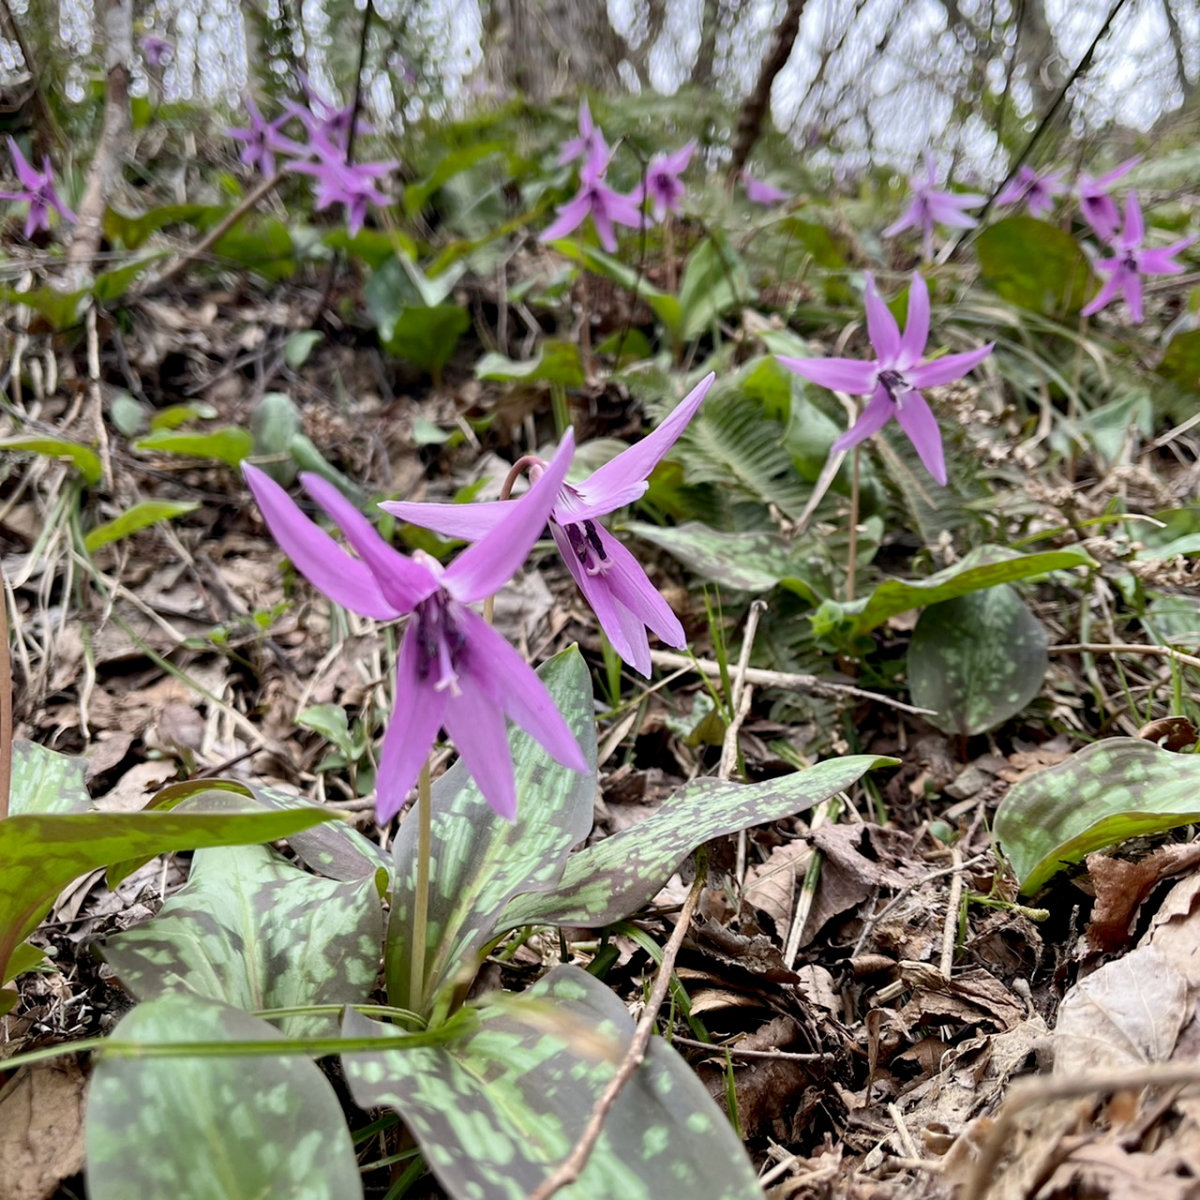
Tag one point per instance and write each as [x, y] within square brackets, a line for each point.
[950, 926]
[739, 1052]
[572, 1167]
[806, 683]
[1126, 648]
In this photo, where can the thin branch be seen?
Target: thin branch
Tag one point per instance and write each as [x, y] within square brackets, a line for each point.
[572, 1167]
[52, 129]
[763, 678]
[1189, 660]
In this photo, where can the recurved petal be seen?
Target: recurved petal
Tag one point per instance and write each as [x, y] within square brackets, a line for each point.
[837, 374]
[626, 635]
[916, 328]
[1134, 230]
[879, 411]
[910, 217]
[344, 579]
[629, 583]
[29, 176]
[489, 564]
[508, 681]
[948, 210]
[917, 420]
[570, 216]
[604, 229]
[402, 581]
[948, 368]
[881, 326]
[476, 725]
[467, 521]
[410, 733]
[1105, 296]
[623, 479]
[1131, 287]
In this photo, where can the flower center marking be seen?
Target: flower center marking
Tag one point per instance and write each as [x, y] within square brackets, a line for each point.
[588, 547]
[895, 385]
[440, 642]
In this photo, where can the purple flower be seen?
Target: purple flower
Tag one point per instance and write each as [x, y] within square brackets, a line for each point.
[929, 205]
[893, 380]
[1132, 261]
[1035, 191]
[342, 182]
[597, 200]
[758, 192]
[1099, 209]
[662, 184]
[262, 138]
[454, 671]
[156, 51]
[589, 142]
[37, 190]
[613, 582]
[325, 121]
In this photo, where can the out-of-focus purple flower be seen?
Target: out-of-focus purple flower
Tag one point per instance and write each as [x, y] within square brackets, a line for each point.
[454, 671]
[758, 192]
[262, 138]
[1035, 191]
[342, 182]
[612, 580]
[1132, 261]
[662, 185]
[156, 51]
[929, 206]
[37, 189]
[1098, 208]
[893, 380]
[597, 200]
[324, 120]
[590, 141]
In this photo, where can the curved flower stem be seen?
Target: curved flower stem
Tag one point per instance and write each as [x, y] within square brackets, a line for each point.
[852, 556]
[421, 899]
[514, 473]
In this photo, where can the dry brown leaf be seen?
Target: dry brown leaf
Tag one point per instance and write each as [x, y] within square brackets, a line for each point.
[771, 885]
[1121, 887]
[41, 1130]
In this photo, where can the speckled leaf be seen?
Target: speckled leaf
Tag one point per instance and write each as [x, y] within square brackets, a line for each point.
[983, 568]
[976, 660]
[480, 860]
[44, 781]
[1035, 265]
[497, 1109]
[42, 853]
[252, 930]
[612, 879]
[1107, 793]
[213, 1128]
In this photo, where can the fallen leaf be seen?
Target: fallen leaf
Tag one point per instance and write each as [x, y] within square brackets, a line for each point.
[41, 1130]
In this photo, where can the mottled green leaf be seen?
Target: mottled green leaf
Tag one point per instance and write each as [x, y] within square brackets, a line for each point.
[213, 1128]
[480, 860]
[613, 878]
[416, 195]
[555, 362]
[228, 445]
[85, 460]
[299, 346]
[132, 229]
[1035, 265]
[275, 421]
[1181, 360]
[1106, 793]
[427, 337]
[976, 660]
[252, 930]
[44, 781]
[148, 512]
[983, 568]
[60, 309]
[42, 853]
[262, 243]
[496, 1110]
[714, 281]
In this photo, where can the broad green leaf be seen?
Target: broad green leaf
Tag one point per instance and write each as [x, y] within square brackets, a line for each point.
[213, 1127]
[612, 879]
[744, 562]
[416, 195]
[481, 860]
[228, 444]
[274, 422]
[400, 284]
[175, 415]
[497, 1109]
[1104, 794]
[331, 722]
[1035, 265]
[264, 244]
[109, 286]
[555, 362]
[984, 567]
[62, 310]
[42, 853]
[148, 512]
[44, 781]
[252, 930]
[85, 460]
[371, 245]
[664, 306]
[715, 280]
[976, 660]
[427, 337]
[1181, 360]
[132, 230]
